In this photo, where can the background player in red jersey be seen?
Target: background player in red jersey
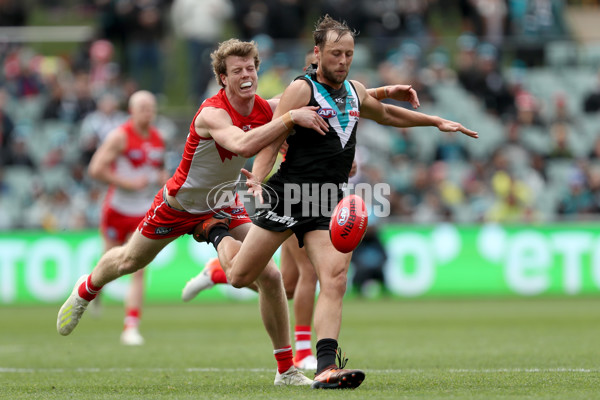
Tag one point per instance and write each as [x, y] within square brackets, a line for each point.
[130, 161]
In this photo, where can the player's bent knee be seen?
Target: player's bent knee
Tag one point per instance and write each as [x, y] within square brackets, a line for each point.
[239, 281]
[289, 292]
[270, 281]
[290, 288]
[270, 275]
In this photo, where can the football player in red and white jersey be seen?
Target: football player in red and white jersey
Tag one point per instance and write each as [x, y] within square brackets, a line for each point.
[228, 128]
[131, 161]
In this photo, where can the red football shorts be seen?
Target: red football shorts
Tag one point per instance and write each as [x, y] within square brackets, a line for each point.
[163, 221]
[116, 226]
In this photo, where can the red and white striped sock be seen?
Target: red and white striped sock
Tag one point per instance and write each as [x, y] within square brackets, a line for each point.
[132, 318]
[284, 359]
[87, 290]
[302, 335]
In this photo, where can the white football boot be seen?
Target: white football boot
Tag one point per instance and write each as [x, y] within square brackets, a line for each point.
[308, 362]
[71, 311]
[292, 377]
[200, 282]
[131, 337]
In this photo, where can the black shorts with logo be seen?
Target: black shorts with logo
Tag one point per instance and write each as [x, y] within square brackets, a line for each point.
[302, 209]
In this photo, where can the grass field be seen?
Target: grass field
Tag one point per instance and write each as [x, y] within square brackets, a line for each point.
[452, 349]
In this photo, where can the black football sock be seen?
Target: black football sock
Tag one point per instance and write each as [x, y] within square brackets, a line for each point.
[217, 234]
[326, 351]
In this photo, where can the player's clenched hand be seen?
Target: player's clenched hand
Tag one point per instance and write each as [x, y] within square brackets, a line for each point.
[403, 93]
[254, 186]
[308, 118]
[450, 126]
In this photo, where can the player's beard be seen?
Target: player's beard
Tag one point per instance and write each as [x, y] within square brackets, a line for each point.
[332, 77]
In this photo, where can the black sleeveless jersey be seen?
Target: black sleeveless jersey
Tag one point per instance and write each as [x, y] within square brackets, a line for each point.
[314, 158]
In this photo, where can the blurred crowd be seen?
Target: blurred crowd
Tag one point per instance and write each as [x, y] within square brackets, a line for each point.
[538, 158]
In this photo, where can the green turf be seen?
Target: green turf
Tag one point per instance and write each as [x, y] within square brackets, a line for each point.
[511, 349]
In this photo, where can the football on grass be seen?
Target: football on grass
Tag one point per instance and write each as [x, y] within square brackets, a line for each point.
[348, 223]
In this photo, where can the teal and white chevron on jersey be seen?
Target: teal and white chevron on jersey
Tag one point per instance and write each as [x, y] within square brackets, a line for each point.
[340, 120]
[315, 158]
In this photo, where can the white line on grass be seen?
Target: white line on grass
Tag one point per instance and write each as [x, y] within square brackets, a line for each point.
[8, 370]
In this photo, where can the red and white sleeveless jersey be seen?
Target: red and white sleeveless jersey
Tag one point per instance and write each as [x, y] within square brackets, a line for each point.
[208, 173]
[143, 158]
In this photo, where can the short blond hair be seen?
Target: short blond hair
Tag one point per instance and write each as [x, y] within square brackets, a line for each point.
[232, 47]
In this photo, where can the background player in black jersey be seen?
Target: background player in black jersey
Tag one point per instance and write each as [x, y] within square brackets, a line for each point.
[324, 160]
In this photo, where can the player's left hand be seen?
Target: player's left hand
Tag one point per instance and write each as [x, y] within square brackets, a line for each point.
[403, 93]
[446, 125]
[254, 186]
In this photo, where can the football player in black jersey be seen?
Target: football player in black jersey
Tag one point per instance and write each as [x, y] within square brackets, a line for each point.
[315, 161]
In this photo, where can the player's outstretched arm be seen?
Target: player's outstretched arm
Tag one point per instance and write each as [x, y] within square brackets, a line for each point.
[387, 114]
[403, 118]
[216, 123]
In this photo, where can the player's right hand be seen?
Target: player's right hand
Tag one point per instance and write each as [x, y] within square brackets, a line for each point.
[307, 117]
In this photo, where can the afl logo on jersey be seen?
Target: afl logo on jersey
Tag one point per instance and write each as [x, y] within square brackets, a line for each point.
[327, 112]
[343, 217]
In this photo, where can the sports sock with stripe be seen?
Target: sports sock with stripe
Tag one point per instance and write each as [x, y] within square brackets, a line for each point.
[132, 318]
[302, 336]
[87, 290]
[284, 358]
